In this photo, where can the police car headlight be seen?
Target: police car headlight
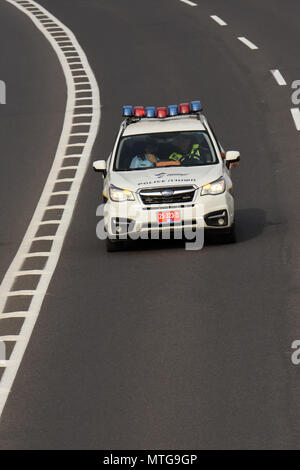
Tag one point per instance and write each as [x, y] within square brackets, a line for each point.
[217, 187]
[120, 195]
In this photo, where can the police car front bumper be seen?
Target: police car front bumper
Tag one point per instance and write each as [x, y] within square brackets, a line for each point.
[131, 219]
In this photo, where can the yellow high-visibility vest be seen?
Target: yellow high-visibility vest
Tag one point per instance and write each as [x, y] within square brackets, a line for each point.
[194, 153]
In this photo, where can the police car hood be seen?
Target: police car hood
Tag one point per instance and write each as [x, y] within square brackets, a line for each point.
[166, 176]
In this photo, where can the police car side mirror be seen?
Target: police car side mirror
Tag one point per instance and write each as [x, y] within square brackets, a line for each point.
[232, 158]
[100, 166]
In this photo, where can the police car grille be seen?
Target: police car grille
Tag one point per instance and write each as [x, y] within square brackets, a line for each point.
[177, 195]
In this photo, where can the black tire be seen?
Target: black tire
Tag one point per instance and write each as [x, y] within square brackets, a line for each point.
[229, 235]
[114, 245]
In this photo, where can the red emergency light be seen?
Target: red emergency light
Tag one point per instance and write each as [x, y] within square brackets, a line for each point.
[184, 108]
[162, 112]
[139, 111]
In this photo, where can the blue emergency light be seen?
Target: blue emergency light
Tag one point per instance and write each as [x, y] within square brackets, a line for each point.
[151, 111]
[195, 106]
[173, 110]
[128, 111]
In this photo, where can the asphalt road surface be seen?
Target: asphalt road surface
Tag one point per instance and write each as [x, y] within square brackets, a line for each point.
[159, 347]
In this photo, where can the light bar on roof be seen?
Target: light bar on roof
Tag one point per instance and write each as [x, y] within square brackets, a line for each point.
[127, 111]
[173, 110]
[161, 112]
[195, 106]
[184, 108]
[139, 111]
[151, 111]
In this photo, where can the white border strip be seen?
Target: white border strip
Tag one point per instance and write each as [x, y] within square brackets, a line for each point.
[64, 223]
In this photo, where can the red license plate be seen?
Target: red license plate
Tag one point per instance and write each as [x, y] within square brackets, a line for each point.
[165, 217]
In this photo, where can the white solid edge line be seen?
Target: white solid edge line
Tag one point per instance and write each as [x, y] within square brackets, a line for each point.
[11, 370]
[296, 116]
[188, 2]
[218, 20]
[248, 43]
[278, 77]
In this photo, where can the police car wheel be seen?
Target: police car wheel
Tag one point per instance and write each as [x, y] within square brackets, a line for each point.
[229, 236]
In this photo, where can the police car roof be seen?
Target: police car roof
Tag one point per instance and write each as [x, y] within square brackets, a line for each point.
[172, 124]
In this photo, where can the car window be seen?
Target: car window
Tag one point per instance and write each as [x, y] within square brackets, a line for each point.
[188, 148]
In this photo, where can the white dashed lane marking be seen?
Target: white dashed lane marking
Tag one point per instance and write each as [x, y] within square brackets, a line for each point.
[248, 43]
[278, 77]
[296, 116]
[188, 2]
[218, 20]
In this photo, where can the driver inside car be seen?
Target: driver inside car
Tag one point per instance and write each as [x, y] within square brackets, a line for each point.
[148, 159]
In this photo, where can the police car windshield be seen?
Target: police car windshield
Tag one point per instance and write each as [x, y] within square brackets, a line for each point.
[141, 152]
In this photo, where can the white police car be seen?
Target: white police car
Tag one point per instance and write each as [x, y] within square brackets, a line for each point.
[167, 173]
